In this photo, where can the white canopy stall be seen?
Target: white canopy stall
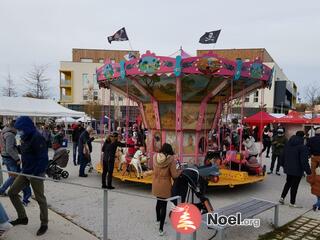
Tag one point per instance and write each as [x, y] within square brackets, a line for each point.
[24, 106]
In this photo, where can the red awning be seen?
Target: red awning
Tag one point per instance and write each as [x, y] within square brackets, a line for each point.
[293, 117]
[315, 121]
[260, 118]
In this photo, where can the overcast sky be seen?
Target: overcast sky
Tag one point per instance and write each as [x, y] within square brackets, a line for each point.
[45, 31]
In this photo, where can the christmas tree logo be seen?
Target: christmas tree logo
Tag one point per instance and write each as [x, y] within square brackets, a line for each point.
[186, 218]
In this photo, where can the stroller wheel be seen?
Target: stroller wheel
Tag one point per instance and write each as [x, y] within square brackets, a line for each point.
[64, 174]
[215, 179]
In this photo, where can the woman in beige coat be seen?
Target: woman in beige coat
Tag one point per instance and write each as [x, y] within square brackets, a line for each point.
[164, 169]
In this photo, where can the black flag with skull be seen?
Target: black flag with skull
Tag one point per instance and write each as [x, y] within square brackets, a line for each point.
[210, 37]
[120, 35]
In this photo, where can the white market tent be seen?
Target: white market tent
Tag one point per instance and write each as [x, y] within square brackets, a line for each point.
[85, 119]
[65, 120]
[24, 106]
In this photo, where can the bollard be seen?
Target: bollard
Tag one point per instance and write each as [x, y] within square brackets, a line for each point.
[105, 215]
[178, 235]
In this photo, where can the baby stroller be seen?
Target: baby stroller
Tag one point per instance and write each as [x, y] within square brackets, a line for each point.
[59, 161]
[191, 186]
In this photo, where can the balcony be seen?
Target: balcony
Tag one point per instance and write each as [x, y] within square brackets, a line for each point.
[65, 83]
[66, 98]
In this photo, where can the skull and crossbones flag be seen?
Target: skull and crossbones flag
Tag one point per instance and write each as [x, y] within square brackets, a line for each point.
[120, 35]
[210, 37]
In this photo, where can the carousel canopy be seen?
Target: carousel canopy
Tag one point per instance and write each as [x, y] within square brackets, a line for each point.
[260, 118]
[24, 106]
[166, 86]
[293, 117]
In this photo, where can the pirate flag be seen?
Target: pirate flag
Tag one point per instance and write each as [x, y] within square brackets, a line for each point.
[210, 37]
[120, 35]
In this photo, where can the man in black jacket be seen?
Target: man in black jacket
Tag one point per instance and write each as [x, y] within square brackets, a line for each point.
[112, 148]
[84, 150]
[294, 162]
[77, 131]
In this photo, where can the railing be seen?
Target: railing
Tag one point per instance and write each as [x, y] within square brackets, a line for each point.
[65, 82]
[105, 198]
[66, 98]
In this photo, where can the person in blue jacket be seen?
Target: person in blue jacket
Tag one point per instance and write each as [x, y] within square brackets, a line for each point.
[34, 157]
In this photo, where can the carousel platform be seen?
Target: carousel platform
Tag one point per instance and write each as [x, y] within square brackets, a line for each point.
[228, 178]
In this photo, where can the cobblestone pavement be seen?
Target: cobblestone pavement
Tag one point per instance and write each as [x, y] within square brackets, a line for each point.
[302, 228]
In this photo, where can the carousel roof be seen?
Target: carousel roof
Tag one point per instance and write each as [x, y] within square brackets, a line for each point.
[152, 76]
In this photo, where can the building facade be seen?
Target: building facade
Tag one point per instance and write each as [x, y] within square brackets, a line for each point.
[79, 89]
[280, 98]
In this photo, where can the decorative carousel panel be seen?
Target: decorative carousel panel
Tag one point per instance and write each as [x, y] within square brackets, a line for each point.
[127, 86]
[256, 70]
[202, 143]
[162, 88]
[196, 87]
[157, 141]
[150, 115]
[167, 115]
[172, 140]
[209, 115]
[189, 145]
[190, 114]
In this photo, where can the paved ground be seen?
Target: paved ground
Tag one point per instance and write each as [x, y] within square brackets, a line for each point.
[305, 227]
[59, 227]
[133, 217]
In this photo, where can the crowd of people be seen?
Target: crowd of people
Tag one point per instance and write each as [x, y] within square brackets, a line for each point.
[32, 151]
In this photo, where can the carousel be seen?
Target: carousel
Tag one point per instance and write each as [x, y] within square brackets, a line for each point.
[180, 101]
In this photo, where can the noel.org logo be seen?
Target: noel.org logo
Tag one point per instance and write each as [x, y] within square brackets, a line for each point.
[186, 218]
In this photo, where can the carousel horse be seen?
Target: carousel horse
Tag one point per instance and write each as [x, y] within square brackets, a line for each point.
[123, 158]
[121, 154]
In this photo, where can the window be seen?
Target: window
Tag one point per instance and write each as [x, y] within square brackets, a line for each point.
[85, 94]
[120, 98]
[85, 80]
[112, 97]
[95, 95]
[101, 60]
[95, 82]
[86, 60]
[256, 97]
[247, 99]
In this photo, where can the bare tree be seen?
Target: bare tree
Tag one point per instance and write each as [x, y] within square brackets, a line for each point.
[312, 94]
[37, 82]
[9, 89]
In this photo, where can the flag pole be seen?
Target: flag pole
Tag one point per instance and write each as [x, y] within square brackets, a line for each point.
[130, 45]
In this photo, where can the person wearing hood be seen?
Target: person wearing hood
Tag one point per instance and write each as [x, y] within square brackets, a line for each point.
[34, 156]
[314, 179]
[294, 161]
[11, 159]
[278, 144]
[164, 169]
